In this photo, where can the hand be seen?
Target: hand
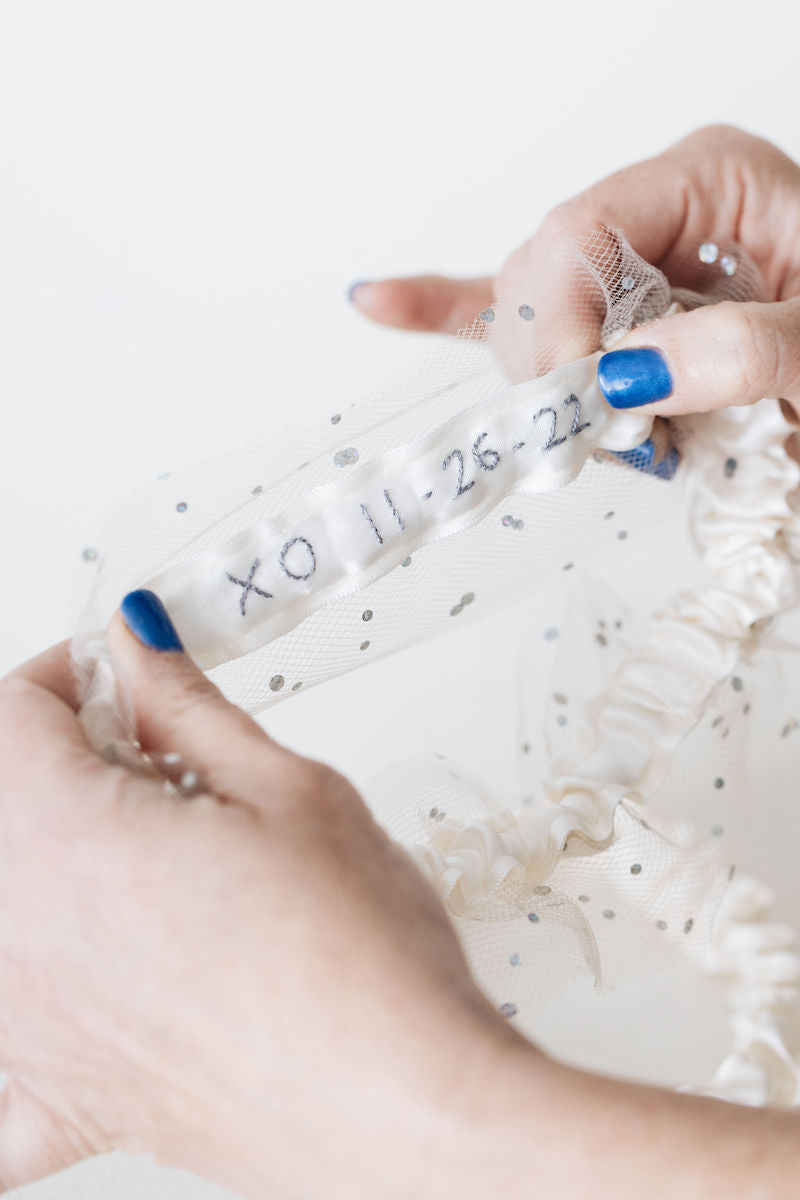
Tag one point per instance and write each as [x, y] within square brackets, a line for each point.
[254, 982]
[719, 184]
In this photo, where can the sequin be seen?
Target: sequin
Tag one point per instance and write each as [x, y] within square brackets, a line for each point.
[719, 783]
[542, 889]
[508, 520]
[661, 924]
[276, 683]
[487, 315]
[508, 1009]
[336, 418]
[532, 917]
[561, 719]
[519, 523]
[584, 899]
[182, 507]
[609, 515]
[296, 686]
[550, 634]
[730, 467]
[609, 914]
[729, 264]
[717, 830]
[515, 959]
[89, 554]
[526, 312]
[526, 747]
[257, 489]
[636, 869]
[790, 727]
[367, 614]
[456, 609]
[689, 926]
[737, 684]
[364, 646]
[343, 458]
[708, 252]
[467, 598]
[601, 639]
[622, 534]
[568, 566]
[560, 698]
[406, 562]
[434, 812]
[628, 283]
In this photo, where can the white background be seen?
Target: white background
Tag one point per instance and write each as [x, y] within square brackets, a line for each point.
[188, 188]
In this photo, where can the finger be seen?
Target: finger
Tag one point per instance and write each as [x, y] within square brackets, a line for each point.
[52, 670]
[178, 711]
[34, 1142]
[711, 358]
[431, 303]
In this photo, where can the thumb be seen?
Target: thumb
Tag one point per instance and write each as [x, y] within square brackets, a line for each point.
[432, 303]
[713, 357]
[34, 1142]
[178, 711]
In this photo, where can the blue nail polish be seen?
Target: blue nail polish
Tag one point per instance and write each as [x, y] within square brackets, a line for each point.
[351, 291]
[149, 621]
[628, 378]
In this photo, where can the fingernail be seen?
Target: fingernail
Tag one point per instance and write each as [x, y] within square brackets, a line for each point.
[351, 291]
[628, 378]
[149, 621]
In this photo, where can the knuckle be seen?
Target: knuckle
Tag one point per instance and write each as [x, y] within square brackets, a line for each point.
[754, 346]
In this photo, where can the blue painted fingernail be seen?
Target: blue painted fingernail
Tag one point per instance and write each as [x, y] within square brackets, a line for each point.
[628, 378]
[351, 291]
[149, 621]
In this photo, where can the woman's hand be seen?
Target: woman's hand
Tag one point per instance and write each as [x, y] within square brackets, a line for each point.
[717, 185]
[254, 983]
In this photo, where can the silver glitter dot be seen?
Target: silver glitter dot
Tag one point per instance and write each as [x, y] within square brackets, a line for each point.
[441, 816]
[730, 467]
[790, 727]
[708, 252]
[515, 959]
[737, 684]
[257, 489]
[636, 869]
[532, 917]
[296, 686]
[661, 924]
[728, 264]
[609, 914]
[189, 780]
[561, 719]
[487, 315]
[746, 709]
[276, 683]
[89, 554]
[527, 799]
[542, 889]
[628, 283]
[456, 609]
[716, 722]
[689, 926]
[609, 515]
[343, 458]
[732, 872]
[526, 747]
[568, 566]
[507, 521]
[526, 312]
[519, 523]
[584, 899]
[560, 698]
[719, 783]
[171, 758]
[717, 830]
[367, 614]
[508, 1009]
[336, 418]
[182, 507]
[434, 812]
[622, 534]
[601, 639]
[467, 598]
[364, 646]
[550, 634]
[406, 562]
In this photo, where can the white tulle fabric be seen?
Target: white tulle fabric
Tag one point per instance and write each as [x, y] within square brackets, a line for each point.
[398, 528]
